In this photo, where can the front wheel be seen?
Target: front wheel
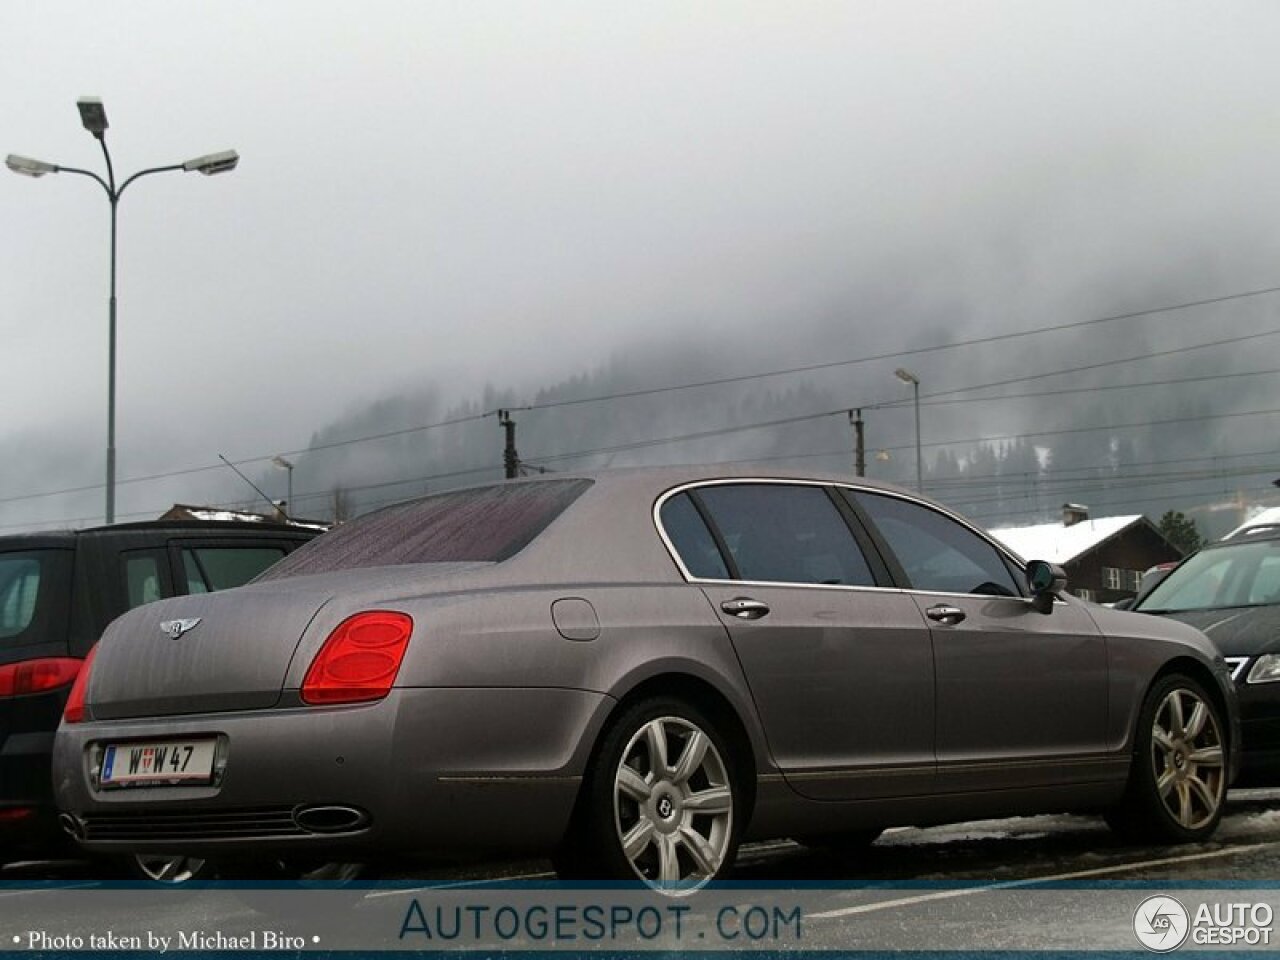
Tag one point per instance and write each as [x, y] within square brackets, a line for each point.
[661, 803]
[1178, 783]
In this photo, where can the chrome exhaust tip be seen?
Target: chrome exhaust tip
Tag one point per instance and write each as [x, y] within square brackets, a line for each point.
[330, 818]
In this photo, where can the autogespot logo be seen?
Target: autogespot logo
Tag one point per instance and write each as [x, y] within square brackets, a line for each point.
[1161, 924]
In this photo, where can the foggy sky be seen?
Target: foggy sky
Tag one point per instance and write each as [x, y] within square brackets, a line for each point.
[438, 197]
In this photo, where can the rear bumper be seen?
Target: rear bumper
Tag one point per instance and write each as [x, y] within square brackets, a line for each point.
[425, 770]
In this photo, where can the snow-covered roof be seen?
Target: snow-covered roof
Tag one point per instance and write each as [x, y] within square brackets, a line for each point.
[186, 511]
[1059, 544]
[227, 515]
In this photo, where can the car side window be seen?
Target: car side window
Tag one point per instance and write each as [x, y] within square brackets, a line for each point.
[692, 540]
[144, 580]
[207, 569]
[786, 533]
[19, 588]
[936, 552]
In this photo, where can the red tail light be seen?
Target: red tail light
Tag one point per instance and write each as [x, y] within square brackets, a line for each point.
[37, 676]
[360, 660]
[74, 711]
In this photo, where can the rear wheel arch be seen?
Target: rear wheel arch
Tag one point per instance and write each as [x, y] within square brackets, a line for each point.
[667, 789]
[702, 695]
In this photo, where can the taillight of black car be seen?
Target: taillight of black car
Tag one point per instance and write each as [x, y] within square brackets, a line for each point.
[37, 676]
[360, 660]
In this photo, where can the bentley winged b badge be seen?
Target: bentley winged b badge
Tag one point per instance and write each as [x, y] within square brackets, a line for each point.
[176, 628]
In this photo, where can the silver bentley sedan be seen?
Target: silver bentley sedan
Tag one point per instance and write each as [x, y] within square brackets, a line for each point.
[632, 671]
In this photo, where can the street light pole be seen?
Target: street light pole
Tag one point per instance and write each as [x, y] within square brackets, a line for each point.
[94, 117]
[907, 377]
[284, 464]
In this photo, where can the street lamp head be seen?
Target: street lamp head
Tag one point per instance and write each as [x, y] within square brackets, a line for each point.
[282, 463]
[213, 163]
[906, 376]
[28, 167]
[93, 115]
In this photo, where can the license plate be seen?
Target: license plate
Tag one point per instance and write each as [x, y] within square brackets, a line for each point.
[168, 761]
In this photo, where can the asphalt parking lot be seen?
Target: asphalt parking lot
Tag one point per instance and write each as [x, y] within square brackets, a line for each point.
[1022, 883]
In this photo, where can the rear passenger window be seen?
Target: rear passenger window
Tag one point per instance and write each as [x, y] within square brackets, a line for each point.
[143, 577]
[19, 588]
[34, 597]
[784, 533]
[207, 569]
[692, 540]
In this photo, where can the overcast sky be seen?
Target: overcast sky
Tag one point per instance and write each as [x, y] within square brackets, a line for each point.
[460, 194]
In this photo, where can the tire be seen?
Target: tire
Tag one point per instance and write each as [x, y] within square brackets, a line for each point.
[303, 871]
[852, 843]
[168, 869]
[1178, 782]
[662, 802]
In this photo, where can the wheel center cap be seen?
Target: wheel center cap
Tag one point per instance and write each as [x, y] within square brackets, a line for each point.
[666, 808]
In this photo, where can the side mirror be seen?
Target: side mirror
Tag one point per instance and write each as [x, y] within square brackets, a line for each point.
[1046, 581]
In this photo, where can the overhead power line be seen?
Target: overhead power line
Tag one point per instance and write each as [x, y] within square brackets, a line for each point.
[898, 354]
[916, 351]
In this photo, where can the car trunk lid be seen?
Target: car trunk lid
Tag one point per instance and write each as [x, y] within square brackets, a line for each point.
[205, 653]
[231, 650]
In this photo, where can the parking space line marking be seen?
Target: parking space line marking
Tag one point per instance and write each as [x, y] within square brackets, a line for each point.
[71, 886]
[1032, 881]
[545, 875]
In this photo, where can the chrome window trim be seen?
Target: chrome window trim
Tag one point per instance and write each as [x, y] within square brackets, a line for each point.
[656, 514]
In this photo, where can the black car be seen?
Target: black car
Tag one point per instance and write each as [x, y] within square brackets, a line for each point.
[58, 592]
[1231, 591]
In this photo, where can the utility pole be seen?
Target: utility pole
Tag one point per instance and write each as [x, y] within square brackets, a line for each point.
[859, 446]
[510, 459]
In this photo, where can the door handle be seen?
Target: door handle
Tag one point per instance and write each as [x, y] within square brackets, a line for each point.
[744, 608]
[944, 613]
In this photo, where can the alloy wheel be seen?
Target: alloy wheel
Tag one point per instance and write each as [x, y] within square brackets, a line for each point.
[1187, 758]
[673, 804]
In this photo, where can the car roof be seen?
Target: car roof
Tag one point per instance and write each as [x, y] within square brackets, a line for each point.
[1265, 531]
[665, 477]
[68, 536]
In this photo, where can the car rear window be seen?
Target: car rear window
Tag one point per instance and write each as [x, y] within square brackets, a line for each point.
[481, 524]
[30, 584]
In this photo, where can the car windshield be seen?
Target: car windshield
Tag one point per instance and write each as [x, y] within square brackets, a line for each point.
[482, 524]
[1239, 575]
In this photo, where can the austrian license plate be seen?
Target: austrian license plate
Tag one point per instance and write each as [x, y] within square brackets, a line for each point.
[168, 761]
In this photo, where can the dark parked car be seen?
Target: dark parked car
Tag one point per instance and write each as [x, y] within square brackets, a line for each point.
[633, 671]
[1231, 591]
[1150, 577]
[58, 592]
